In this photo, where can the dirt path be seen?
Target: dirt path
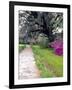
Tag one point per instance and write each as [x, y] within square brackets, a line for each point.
[27, 66]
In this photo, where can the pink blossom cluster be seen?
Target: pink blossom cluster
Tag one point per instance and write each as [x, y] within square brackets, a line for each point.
[58, 47]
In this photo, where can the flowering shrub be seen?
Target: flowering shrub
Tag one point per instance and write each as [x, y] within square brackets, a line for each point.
[59, 51]
[58, 47]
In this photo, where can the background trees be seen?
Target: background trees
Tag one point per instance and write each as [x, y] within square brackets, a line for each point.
[32, 24]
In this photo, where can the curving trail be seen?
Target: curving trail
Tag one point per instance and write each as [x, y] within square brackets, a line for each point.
[27, 66]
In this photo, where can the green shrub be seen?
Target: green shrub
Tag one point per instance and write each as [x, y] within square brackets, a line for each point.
[21, 41]
[21, 47]
[43, 41]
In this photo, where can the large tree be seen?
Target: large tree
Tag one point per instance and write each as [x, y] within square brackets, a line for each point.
[32, 23]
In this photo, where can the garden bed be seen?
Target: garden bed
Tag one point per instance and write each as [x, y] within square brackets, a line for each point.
[49, 64]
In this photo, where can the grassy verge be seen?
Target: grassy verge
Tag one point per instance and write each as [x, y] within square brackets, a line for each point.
[49, 64]
[21, 47]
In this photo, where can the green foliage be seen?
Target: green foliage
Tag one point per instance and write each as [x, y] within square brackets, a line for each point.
[21, 41]
[43, 41]
[31, 23]
[49, 64]
[21, 47]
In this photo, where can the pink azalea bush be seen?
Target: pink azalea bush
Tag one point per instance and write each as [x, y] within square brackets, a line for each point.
[58, 47]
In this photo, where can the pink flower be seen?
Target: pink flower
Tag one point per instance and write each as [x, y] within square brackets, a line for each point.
[58, 47]
[58, 51]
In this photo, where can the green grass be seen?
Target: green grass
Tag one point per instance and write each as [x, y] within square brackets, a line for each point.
[49, 64]
[21, 47]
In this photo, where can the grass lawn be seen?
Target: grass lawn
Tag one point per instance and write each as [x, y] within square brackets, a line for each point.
[49, 64]
[21, 47]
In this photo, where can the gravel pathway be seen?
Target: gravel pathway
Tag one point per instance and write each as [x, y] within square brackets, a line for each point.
[27, 66]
